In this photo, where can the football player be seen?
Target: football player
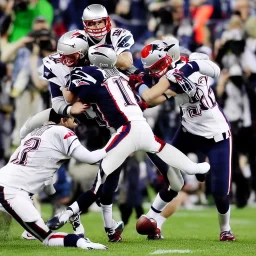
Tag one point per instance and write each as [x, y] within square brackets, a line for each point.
[69, 56]
[31, 168]
[97, 26]
[107, 91]
[72, 50]
[97, 31]
[204, 127]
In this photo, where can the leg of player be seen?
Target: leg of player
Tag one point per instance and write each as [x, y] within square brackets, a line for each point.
[113, 229]
[175, 158]
[18, 204]
[220, 158]
[168, 211]
[105, 192]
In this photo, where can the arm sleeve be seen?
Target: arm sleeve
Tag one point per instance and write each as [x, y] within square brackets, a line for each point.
[83, 155]
[208, 68]
[34, 122]
[205, 67]
[60, 106]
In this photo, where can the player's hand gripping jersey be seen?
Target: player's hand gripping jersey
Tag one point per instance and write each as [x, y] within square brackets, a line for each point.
[58, 74]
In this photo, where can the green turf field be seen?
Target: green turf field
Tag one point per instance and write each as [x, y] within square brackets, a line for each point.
[193, 232]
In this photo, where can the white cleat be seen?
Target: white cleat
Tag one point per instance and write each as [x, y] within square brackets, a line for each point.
[26, 235]
[59, 220]
[203, 167]
[86, 244]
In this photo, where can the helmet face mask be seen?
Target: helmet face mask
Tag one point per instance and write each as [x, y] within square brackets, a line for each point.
[92, 17]
[160, 67]
[70, 60]
[72, 46]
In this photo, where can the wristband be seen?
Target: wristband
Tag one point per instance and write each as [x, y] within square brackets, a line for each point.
[165, 95]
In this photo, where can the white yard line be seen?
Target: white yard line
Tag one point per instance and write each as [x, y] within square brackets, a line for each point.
[171, 251]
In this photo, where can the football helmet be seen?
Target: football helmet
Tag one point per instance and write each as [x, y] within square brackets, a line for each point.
[102, 56]
[94, 13]
[172, 47]
[155, 59]
[72, 46]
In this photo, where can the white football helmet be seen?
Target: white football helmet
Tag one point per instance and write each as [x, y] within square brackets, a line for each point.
[72, 46]
[155, 59]
[102, 56]
[173, 49]
[94, 13]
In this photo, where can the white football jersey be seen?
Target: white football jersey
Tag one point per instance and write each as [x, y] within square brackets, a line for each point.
[41, 154]
[54, 71]
[121, 40]
[205, 117]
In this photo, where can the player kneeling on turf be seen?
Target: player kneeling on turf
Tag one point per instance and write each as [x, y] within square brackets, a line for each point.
[32, 166]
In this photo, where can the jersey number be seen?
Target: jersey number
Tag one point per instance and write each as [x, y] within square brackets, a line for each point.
[121, 87]
[29, 146]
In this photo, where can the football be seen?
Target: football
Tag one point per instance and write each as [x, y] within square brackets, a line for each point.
[146, 225]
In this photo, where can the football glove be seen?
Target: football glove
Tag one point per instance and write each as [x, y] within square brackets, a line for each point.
[135, 80]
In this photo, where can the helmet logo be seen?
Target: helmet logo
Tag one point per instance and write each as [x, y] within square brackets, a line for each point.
[149, 49]
[77, 33]
[71, 45]
[169, 47]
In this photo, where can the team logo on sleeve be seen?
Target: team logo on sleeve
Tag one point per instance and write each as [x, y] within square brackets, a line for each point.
[69, 134]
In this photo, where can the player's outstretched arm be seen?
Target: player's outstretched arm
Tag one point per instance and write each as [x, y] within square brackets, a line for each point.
[91, 157]
[35, 121]
[154, 95]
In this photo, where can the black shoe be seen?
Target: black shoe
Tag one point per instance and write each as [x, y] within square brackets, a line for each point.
[201, 177]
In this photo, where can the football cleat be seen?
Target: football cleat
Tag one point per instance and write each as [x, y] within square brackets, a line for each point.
[77, 225]
[88, 245]
[156, 236]
[114, 234]
[58, 221]
[26, 235]
[227, 236]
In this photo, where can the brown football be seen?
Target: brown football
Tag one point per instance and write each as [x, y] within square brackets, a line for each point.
[146, 225]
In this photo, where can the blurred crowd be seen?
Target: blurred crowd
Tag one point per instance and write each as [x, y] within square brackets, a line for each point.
[223, 29]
